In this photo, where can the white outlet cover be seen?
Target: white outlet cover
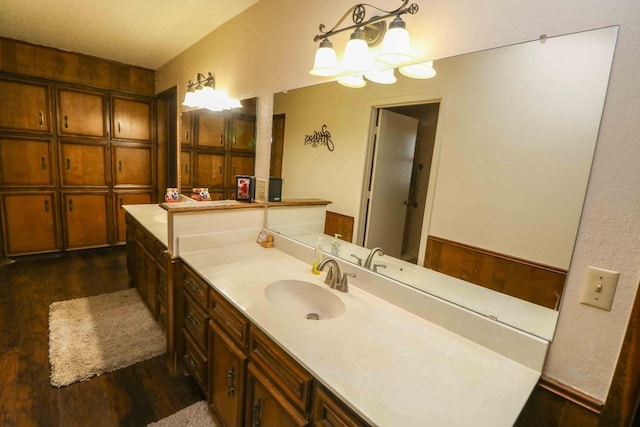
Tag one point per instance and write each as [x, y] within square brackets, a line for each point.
[599, 287]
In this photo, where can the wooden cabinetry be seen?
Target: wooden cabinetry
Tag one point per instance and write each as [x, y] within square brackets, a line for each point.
[26, 162]
[29, 222]
[84, 164]
[81, 113]
[194, 326]
[131, 119]
[85, 219]
[132, 166]
[25, 106]
[121, 198]
[330, 412]
[223, 146]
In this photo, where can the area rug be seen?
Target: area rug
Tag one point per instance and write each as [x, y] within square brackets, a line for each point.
[196, 415]
[94, 335]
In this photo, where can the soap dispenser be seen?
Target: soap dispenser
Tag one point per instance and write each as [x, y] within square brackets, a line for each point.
[317, 256]
[335, 245]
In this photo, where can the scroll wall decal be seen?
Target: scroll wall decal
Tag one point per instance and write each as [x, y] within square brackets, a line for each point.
[321, 137]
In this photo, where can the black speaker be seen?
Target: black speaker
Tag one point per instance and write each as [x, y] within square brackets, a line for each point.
[275, 189]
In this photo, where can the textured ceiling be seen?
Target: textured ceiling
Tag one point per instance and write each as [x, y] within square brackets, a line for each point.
[147, 33]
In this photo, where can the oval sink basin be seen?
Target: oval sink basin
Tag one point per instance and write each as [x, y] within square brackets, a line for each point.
[304, 300]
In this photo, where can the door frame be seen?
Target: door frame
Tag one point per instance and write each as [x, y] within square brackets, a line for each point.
[376, 105]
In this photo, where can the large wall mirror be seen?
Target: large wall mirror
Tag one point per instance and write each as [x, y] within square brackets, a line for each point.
[479, 173]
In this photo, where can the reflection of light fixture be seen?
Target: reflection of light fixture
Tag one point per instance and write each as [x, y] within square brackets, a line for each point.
[356, 61]
[202, 93]
[418, 71]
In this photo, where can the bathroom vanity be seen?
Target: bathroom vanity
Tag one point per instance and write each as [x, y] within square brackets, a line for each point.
[382, 353]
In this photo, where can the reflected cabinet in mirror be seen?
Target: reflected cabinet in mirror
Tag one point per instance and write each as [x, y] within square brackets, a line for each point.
[215, 147]
[478, 174]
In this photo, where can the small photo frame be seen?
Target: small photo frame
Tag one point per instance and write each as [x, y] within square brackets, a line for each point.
[245, 188]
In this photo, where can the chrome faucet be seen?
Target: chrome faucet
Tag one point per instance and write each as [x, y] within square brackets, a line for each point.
[335, 279]
[368, 261]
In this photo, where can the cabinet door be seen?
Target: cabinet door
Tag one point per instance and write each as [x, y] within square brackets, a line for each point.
[329, 412]
[131, 119]
[26, 162]
[185, 169]
[210, 130]
[241, 165]
[81, 113]
[85, 220]
[132, 165]
[266, 406]
[120, 199]
[243, 134]
[84, 164]
[209, 170]
[24, 106]
[29, 223]
[186, 131]
[227, 369]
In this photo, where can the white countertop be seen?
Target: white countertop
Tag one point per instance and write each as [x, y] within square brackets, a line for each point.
[153, 218]
[392, 367]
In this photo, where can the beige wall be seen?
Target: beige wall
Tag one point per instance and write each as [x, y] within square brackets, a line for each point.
[269, 48]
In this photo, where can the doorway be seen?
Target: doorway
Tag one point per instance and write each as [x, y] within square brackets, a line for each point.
[397, 183]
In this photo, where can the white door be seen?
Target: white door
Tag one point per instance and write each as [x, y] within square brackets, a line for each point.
[388, 197]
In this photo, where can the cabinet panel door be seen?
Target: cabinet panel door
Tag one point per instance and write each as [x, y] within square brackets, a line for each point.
[26, 162]
[85, 219]
[132, 165]
[185, 169]
[121, 199]
[24, 106]
[186, 131]
[243, 134]
[84, 164]
[241, 165]
[29, 223]
[81, 113]
[227, 369]
[210, 130]
[209, 170]
[266, 406]
[131, 119]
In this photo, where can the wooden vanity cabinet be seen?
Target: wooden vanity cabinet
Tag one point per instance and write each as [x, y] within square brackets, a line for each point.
[194, 320]
[25, 106]
[330, 412]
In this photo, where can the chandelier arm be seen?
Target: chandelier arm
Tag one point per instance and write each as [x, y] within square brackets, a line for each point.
[411, 9]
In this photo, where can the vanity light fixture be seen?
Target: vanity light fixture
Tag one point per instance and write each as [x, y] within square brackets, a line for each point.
[360, 59]
[202, 93]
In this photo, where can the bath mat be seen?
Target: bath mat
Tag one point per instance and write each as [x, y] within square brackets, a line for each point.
[94, 335]
[196, 415]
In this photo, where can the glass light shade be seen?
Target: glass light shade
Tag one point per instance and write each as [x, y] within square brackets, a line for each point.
[190, 99]
[355, 81]
[424, 70]
[326, 62]
[396, 45]
[356, 53]
[385, 77]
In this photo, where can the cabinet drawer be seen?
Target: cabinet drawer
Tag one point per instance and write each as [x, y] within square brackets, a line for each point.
[163, 317]
[196, 287]
[232, 322]
[293, 380]
[195, 361]
[329, 412]
[162, 283]
[195, 321]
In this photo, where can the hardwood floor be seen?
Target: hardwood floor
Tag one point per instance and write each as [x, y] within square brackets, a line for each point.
[133, 396]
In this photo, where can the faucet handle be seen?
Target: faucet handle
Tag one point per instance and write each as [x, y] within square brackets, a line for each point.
[377, 266]
[344, 282]
[329, 280]
[357, 259]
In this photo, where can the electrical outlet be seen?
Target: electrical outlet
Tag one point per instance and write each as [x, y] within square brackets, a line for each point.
[261, 193]
[599, 287]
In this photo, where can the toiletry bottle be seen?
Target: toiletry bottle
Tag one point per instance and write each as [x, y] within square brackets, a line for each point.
[317, 256]
[335, 245]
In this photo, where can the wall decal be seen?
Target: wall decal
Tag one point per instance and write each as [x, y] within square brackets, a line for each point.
[322, 137]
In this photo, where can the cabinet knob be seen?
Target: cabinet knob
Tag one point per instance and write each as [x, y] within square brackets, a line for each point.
[119, 165]
[46, 205]
[68, 164]
[41, 119]
[44, 162]
[186, 168]
[70, 205]
[231, 379]
[255, 412]
[66, 122]
[220, 170]
[118, 127]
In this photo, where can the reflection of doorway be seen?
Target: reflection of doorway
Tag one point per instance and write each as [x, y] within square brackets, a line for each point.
[401, 241]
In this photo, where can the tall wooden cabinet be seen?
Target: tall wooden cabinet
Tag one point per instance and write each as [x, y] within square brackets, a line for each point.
[69, 157]
[215, 147]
